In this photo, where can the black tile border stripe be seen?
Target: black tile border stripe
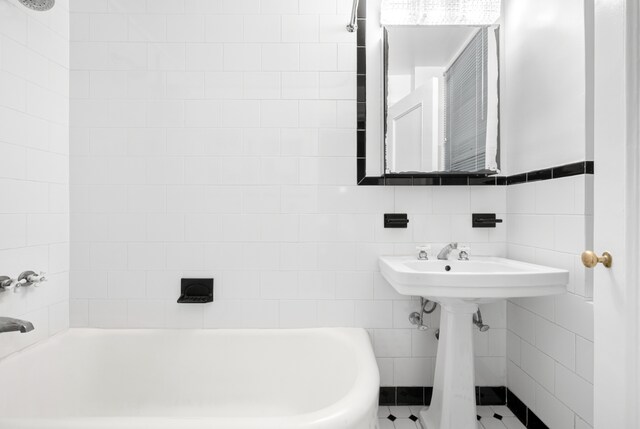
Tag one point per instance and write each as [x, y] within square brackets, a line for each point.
[400, 395]
[429, 179]
[421, 179]
[524, 413]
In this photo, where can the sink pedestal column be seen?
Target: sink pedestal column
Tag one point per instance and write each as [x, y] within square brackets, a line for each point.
[453, 404]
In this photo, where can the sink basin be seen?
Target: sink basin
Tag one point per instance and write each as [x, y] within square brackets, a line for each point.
[481, 279]
[459, 286]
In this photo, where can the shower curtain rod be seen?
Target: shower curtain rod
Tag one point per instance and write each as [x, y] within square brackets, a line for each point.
[353, 24]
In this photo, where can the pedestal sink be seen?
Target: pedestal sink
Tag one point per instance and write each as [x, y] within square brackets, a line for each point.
[459, 286]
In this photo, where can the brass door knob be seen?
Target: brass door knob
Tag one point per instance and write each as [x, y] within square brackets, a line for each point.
[590, 259]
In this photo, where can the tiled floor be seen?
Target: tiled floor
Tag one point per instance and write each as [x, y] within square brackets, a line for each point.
[407, 418]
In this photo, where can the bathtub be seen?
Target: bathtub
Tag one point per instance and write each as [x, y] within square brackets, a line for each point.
[192, 379]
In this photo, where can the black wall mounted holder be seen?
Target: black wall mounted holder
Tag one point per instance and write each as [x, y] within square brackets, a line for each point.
[395, 220]
[484, 220]
[196, 291]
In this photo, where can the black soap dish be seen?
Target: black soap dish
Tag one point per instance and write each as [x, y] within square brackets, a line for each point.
[196, 291]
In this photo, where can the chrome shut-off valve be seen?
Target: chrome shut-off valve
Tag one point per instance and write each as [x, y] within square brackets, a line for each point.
[417, 318]
[477, 320]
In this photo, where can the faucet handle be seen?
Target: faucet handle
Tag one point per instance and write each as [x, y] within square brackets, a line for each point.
[36, 279]
[423, 251]
[463, 254]
[17, 284]
[6, 283]
[29, 278]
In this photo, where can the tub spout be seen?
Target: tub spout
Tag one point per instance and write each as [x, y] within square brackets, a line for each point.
[7, 324]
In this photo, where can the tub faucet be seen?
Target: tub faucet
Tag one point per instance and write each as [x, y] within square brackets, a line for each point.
[446, 251]
[7, 324]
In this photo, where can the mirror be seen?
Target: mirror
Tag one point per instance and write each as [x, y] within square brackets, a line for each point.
[441, 99]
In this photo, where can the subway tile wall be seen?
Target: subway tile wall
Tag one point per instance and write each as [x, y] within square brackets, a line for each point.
[550, 340]
[34, 178]
[217, 138]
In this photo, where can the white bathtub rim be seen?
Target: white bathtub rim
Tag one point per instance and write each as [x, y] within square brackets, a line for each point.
[351, 407]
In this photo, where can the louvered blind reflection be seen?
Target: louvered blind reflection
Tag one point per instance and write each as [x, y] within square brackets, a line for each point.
[466, 107]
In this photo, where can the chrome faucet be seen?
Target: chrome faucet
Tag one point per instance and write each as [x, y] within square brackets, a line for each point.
[446, 251]
[7, 324]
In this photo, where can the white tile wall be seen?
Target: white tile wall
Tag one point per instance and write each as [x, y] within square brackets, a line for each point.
[550, 340]
[545, 101]
[34, 149]
[216, 138]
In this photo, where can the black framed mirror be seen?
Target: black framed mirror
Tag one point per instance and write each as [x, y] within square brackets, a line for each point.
[427, 103]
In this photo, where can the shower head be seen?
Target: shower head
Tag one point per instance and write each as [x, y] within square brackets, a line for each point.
[39, 5]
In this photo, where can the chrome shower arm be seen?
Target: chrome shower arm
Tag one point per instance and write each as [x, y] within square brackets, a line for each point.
[353, 24]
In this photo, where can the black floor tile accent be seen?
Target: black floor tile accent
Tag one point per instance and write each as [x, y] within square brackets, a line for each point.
[428, 393]
[391, 417]
[413, 418]
[417, 395]
[517, 407]
[493, 395]
[533, 422]
[524, 414]
[387, 396]
[409, 396]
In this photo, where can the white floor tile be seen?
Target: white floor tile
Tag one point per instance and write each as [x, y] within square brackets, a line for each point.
[513, 423]
[484, 411]
[415, 409]
[400, 412]
[383, 412]
[503, 410]
[405, 424]
[491, 423]
[385, 424]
